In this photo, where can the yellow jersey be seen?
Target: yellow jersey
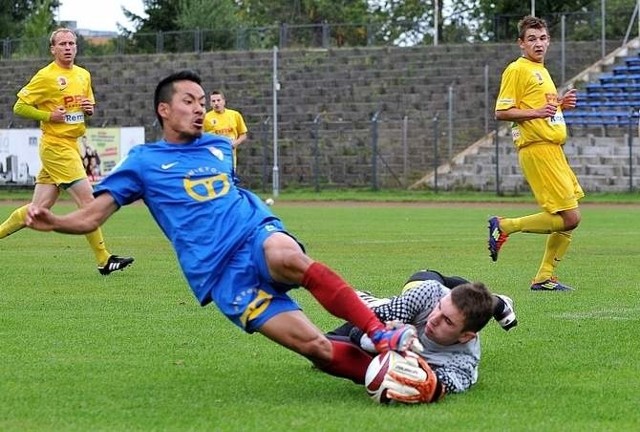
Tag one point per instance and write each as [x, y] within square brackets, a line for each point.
[54, 86]
[527, 85]
[228, 123]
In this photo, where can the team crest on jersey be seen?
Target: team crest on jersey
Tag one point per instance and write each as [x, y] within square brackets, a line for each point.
[216, 152]
[62, 82]
[538, 76]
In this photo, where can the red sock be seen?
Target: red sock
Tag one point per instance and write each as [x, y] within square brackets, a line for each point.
[337, 297]
[348, 361]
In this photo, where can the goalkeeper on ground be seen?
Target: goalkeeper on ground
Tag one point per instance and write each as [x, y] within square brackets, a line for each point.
[448, 313]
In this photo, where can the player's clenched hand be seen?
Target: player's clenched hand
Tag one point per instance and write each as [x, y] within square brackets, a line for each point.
[87, 106]
[39, 218]
[569, 99]
[549, 110]
[428, 390]
[57, 115]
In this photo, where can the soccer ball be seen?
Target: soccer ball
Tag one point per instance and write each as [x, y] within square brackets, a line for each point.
[269, 202]
[374, 379]
[378, 382]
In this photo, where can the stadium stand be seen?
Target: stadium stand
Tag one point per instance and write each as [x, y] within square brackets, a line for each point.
[612, 100]
[603, 136]
[326, 101]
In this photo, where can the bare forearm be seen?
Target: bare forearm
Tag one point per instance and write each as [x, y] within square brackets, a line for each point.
[239, 140]
[78, 222]
[520, 115]
[81, 221]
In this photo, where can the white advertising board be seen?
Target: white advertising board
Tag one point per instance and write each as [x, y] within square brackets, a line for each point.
[100, 148]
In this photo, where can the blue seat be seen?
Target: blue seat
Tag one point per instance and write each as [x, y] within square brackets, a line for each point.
[626, 69]
[632, 61]
[621, 86]
[612, 100]
[618, 118]
[625, 78]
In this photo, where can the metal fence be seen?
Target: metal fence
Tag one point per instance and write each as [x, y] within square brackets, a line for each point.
[590, 25]
[375, 164]
[311, 161]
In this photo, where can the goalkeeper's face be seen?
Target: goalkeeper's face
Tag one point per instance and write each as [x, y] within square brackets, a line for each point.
[445, 324]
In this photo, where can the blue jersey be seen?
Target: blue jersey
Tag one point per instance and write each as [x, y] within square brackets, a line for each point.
[190, 192]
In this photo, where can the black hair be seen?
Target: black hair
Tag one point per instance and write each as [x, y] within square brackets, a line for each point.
[165, 88]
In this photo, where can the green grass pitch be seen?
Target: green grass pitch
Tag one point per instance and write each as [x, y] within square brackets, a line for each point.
[135, 352]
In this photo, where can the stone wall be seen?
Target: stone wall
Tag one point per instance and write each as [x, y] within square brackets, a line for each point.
[326, 101]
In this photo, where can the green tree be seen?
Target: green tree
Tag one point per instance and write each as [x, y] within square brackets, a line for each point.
[404, 22]
[217, 21]
[36, 29]
[303, 22]
[162, 15]
[497, 20]
[150, 31]
[13, 14]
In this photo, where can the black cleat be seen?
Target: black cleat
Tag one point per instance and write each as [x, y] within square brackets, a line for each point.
[115, 263]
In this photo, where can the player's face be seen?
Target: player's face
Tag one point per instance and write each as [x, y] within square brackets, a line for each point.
[64, 49]
[534, 44]
[445, 324]
[184, 115]
[217, 102]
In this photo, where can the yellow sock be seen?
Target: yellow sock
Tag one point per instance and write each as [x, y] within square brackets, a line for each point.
[539, 223]
[96, 241]
[15, 222]
[557, 245]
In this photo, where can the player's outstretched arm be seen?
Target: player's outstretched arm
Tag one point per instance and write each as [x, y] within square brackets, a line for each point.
[82, 221]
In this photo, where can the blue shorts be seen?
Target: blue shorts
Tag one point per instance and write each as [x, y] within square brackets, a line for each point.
[245, 292]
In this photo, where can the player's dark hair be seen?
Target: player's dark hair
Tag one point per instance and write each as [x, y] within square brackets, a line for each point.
[475, 301]
[166, 89]
[530, 22]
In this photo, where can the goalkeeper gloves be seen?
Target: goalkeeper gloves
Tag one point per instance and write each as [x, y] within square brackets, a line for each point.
[415, 382]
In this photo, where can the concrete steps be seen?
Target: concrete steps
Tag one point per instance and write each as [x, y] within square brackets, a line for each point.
[602, 164]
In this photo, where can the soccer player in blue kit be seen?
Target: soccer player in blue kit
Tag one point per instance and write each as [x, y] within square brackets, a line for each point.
[232, 249]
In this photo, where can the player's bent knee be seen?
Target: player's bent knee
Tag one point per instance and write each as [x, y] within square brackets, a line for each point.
[572, 223]
[571, 219]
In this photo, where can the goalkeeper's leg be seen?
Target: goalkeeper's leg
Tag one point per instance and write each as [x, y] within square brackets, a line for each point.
[423, 275]
[343, 331]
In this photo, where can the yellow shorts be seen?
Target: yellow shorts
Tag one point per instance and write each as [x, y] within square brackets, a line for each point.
[552, 181]
[61, 162]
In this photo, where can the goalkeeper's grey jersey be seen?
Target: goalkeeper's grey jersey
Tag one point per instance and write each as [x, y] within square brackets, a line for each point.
[455, 365]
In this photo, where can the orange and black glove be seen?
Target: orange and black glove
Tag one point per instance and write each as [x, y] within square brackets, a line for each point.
[418, 375]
